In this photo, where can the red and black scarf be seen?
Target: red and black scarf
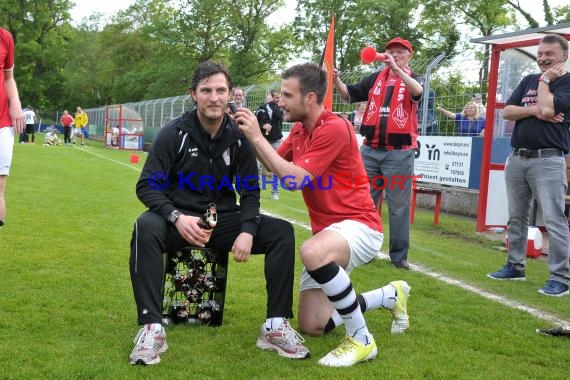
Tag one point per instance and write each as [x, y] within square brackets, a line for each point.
[390, 120]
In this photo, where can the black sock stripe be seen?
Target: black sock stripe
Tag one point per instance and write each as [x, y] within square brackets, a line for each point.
[361, 302]
[342, 295]
[347, 310]
[325, 273]
[330, 326]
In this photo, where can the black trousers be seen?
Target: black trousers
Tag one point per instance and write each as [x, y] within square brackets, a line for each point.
[153, 235]
[66, 135]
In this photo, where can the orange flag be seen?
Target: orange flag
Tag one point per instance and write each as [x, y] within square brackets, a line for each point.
[327, 62]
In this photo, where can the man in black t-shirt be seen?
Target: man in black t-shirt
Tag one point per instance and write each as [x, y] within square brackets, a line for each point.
[540, 107]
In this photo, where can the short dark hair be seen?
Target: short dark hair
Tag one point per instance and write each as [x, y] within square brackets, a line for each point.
[312, 78]
[207, 69]
[272, 92]
[555, 38]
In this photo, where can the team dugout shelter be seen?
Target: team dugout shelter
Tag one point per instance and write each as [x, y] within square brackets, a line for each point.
[513, 56]
[123, 128]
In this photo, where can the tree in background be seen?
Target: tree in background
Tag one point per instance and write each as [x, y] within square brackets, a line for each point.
[41, 33]
[148, 50]
[485, 17]
[354, 26]
[560, 15]
[258, 50]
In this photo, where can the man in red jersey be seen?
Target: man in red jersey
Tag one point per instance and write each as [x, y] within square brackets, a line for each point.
[320, 156]
[11, 115]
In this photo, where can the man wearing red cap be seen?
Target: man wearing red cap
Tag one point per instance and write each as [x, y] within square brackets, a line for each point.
[390, 127]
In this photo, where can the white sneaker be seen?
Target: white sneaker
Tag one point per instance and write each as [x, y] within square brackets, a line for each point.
[400, 318]
[150, 342]
[349, 352]
[285, 340]
[275, 197]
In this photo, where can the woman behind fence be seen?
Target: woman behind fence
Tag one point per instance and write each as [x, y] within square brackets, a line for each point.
[468, 122]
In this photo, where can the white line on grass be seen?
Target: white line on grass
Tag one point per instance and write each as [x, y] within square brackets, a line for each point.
[109, 159]
[483, 293]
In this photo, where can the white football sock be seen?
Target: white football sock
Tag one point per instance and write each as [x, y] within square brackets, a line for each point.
[273, 323]
[383, 297]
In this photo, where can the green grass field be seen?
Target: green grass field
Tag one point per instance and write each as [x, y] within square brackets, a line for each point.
[67, 309]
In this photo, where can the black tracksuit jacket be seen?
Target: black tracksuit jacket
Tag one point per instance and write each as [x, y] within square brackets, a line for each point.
[186, 170]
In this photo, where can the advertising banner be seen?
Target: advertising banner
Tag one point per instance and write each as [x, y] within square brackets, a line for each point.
[445, 160]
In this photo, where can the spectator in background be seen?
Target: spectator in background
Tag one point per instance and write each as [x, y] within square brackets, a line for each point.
[356, 116]
[81, 121]
[119, 130]
[540, 107]
[431, 127]
[239, 97]
[270, 119]
[11, 115]
[30, 118]
[66, 121]
[478, 100]
[467, 122]
[51, 137]
[390, 139]
[22, 138]
[114, 135]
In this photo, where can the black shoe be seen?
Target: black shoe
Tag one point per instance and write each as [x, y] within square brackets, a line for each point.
[402, 265]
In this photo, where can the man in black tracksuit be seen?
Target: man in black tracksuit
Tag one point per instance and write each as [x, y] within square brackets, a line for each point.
[198, 159]
[270, 119]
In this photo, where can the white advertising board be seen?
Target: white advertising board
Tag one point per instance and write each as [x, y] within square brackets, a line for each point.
[445, 160]
[132, 142]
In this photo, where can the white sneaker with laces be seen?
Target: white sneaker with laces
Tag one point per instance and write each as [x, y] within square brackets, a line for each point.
[285, 340]
[150, 342]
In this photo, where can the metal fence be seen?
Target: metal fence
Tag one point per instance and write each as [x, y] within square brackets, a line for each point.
[453, 83]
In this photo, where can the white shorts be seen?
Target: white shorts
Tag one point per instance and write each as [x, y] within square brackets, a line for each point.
[76, 132]
[364, 244]
[6, 149]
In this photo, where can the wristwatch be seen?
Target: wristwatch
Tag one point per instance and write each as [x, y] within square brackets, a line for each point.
[173, 217]
[545, 80]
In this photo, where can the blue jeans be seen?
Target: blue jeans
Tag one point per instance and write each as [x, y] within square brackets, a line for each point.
[545, 180]
[395, 168]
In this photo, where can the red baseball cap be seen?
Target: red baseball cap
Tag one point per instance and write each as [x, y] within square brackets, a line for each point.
[400, 41]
